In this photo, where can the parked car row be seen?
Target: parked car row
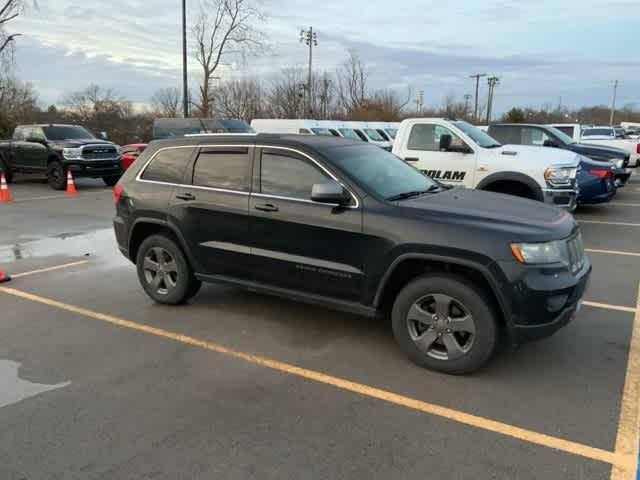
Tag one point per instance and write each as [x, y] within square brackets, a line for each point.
[381, 134]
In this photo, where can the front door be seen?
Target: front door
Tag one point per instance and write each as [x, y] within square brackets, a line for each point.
[299, 244]
[212, 210]
[36, 150]
[450, 167]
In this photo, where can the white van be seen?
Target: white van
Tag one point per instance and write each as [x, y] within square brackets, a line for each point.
[387, 130]
[360, 130]
[278, 125]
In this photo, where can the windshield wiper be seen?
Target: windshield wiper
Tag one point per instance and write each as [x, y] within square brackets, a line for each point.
[414, 193]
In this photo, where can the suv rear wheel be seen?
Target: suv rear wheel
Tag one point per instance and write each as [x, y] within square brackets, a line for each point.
[164, 271]
[443, 323]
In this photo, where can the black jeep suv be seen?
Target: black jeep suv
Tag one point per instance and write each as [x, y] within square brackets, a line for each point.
[348, 225]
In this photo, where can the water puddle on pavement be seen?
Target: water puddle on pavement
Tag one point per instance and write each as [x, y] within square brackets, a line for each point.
[99, 243]
[14, 389]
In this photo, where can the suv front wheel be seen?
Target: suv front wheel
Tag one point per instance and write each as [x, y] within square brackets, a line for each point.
[164, 272]
[443, 323]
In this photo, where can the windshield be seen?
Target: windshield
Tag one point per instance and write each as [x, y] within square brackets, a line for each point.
[322, 131]
[349, 133]
[373, 135]
[592, 132]
[392, 132]
[378, 171]
[67, 133]
[477, 135]
[563, 137]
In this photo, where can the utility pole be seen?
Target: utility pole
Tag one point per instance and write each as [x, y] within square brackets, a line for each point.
[613, 103]
[420, 103]
[309, 37]
[492, 81]
[467, 98]
[185, 79]
[477, 76]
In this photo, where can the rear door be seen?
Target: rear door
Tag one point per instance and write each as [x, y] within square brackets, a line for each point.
[38, 151]
[423, 152]
[299, 244]
[212, 210]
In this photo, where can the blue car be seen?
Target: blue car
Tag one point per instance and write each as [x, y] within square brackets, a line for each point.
[596, 182]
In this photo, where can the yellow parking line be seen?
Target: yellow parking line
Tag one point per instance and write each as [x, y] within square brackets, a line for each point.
[629, 422]
[609, 307]
[49, 269]
[624, 461]
[598, 222]
[612, 252]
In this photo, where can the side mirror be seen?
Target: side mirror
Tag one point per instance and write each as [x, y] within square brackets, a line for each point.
[330, 191]
[104, 135]
[549, 143]
[445, 142]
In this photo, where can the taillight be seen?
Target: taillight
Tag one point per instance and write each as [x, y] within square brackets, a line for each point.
[638, 148]
[601, 172]
[117, 191]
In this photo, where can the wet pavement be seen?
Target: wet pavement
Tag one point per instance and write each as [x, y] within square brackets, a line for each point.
[140, 403]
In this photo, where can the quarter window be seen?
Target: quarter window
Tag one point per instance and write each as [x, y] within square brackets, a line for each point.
[168, 165]
[427, 137]
[226, 168]
[288, 174]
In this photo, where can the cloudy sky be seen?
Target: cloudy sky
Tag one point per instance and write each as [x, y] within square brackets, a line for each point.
[543, 50]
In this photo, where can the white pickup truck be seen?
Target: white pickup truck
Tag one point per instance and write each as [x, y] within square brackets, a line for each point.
[602, 136]
[459, 154]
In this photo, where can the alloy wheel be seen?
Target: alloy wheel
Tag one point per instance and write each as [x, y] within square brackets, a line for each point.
[160, 270]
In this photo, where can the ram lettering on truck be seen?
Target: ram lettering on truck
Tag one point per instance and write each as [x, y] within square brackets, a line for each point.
[459, 154]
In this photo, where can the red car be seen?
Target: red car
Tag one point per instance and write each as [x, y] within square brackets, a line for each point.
[130, 153]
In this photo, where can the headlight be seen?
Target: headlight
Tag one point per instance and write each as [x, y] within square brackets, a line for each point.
[549, 252]
[619, 163]
[72, 153]
[560, 176]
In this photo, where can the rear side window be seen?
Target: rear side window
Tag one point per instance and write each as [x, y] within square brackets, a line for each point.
[287, 174]
[226, 168]
[168, 166]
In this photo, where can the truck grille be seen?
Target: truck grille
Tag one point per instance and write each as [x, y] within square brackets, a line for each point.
[99, 152]
[575, 248]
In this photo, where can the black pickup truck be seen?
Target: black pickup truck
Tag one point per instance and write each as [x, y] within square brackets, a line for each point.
[55, 149]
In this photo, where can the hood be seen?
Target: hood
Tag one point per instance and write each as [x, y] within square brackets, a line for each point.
[522, 219]
[599, 150]
[80, 143]
[556, 156]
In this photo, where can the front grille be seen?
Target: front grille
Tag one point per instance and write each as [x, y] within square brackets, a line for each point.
[99, 152]
[575, 248]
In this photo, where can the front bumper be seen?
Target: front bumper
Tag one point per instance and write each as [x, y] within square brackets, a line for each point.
[561, 197]
[543, 300]
[622, 176]
[95, 168]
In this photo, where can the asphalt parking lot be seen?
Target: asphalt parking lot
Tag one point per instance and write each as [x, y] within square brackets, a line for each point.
[96, 381]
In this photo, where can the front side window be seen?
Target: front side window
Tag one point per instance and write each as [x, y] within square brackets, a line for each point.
[168, 166]
[373, 135]
[427, 136]
[225, 168]
[566, 130]
[350, 133]
[534, 136]
[287, 174]
[20, 134]
[322, 131]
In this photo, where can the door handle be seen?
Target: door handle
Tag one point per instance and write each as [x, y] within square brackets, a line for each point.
[185, 196]
[483, 169]
[266, 208]
[411, 159]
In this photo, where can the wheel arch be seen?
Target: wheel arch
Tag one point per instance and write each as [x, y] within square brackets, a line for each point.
[408, 266]
[515, 177]
[144, 227]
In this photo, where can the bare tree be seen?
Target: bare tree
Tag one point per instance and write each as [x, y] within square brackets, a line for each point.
[18, 102]
[352, 83]
[223, 27]
[239, 99]
[166, 102]
[9, 10]
[286, 96]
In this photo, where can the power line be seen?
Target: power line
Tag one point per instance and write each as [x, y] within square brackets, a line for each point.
[477, 76]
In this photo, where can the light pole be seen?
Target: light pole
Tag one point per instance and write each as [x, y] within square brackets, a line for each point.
[185, 79]
[309, 37]
[477, 76]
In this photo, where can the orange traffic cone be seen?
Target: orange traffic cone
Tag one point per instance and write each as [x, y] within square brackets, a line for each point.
[4, 277]
[5, 196]
[71, 186]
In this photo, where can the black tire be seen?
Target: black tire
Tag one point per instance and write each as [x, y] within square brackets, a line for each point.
[478, 347]
[56, 175]
[8, 174]
[111, 181]
[171, 282]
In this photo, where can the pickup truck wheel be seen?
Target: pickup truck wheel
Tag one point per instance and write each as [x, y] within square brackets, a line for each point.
[111, 181]
[8, 175]
[443, 323]
[164, 271]
[56, 176]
